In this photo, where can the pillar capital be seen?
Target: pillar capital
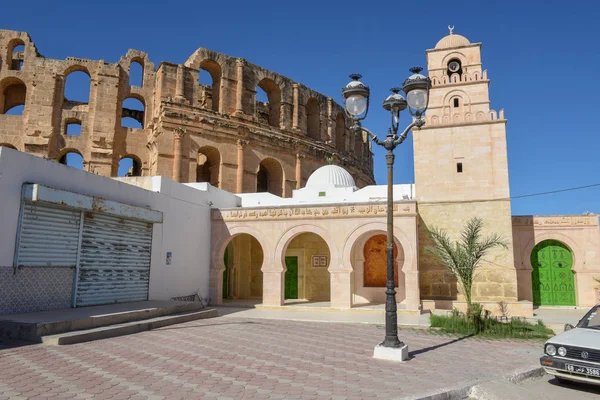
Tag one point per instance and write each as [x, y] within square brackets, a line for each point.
[240, 61]
[241, 144]
[179, 133]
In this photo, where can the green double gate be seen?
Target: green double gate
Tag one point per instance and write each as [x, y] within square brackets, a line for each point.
[552, 278]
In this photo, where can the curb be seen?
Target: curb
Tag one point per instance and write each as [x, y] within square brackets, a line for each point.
[464, 392]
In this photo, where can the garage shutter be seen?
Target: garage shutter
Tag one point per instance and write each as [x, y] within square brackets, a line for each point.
[115, 260]
[48, 236]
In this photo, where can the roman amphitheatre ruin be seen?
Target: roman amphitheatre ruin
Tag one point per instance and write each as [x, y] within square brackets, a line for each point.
[188, 130]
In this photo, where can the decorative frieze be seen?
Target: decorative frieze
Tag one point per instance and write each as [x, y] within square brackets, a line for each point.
[315, 211]
[550, 221]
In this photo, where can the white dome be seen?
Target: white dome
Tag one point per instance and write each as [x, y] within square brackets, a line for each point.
[330, 176]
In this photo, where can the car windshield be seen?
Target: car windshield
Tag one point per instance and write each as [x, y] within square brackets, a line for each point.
[591, 319]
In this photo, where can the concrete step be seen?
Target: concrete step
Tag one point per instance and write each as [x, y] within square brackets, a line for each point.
[33, 326]
[128, 328]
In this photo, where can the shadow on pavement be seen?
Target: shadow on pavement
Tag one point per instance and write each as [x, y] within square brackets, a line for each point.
[412, 354]
[579, 386]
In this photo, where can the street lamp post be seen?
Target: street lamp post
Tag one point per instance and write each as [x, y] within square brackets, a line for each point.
[356, 103]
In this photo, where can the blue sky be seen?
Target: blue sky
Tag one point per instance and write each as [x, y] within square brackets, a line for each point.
[542, 59]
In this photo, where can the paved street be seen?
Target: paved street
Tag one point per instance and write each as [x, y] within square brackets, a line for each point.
[545, 387]
[236, 358]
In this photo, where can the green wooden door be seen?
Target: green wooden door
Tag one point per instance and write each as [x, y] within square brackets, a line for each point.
[552, 278]
[291, 278]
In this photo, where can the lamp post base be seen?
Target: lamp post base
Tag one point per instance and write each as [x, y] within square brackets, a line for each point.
[399, 354]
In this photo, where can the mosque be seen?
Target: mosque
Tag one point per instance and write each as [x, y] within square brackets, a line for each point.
[327, 242]
[273, 233]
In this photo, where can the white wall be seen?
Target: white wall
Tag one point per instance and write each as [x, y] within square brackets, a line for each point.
[185, 230]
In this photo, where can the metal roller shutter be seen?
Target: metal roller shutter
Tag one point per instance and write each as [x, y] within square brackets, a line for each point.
[115, 260]
[48, 236]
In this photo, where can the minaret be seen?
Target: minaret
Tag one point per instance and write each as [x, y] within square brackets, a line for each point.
[461, 168]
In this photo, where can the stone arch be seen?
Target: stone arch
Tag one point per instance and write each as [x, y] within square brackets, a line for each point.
[13, 93]
[10, 146]
[217, 263]
[364, 289]
[291, 233]
[208, 167]
[465, 99]
[559, 237]
[313, 118]
[411, 282]
[273, 105]
[132, 168]
[75, 73]
[215, 71]
[136, 72]
[454, 55]
[133, 108]
[14, 57]
[340, 132]
[270, 177]
[73, 127]
[63, 158]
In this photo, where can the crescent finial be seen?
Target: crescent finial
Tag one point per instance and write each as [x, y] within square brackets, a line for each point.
[451, 29]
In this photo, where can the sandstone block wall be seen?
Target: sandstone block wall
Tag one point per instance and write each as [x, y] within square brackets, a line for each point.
[190, 130]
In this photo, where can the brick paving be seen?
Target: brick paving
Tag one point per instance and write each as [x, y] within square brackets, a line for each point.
[230, 358]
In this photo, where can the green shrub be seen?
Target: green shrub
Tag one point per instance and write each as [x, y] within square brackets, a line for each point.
[483, 325]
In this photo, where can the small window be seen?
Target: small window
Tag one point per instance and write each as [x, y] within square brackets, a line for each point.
[456, 103]
[321, 194]
[459, 168]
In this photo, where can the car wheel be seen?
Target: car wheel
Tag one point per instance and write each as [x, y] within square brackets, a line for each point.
[560, 380]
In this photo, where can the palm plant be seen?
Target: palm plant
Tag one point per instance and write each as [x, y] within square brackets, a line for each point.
[462, 257]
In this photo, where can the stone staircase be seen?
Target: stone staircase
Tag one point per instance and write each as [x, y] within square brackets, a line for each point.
[76, 325]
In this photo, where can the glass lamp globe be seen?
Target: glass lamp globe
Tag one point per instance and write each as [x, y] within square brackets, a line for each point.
[417, 99]
[356, 104]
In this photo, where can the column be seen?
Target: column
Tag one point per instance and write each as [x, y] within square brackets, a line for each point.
[329, 119]
[273, 283]
[341, 288]
[296, 106]
[299, 158]
[179, 84]
[178, 135]
[239, 63]
[241, 144]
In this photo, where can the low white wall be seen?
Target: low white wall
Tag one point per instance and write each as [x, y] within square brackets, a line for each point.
[185, 231]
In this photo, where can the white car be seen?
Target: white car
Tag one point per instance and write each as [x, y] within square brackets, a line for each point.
[575, 354]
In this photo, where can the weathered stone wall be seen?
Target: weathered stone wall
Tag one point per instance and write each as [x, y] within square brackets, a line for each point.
[183, 121]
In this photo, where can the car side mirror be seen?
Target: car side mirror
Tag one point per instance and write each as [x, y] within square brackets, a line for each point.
[568, 327]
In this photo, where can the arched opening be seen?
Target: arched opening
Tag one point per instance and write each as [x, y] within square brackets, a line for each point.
[268, 102]
[209, 78]
[242, 278]
[129, 166]
[136, 73]
[340, 132]
[552, 277]
[10, 146]
[77, 87]
[16, 54]
[132, 114]
[313, 119]
[73, 127]
[269, 177]
[307, 259]
[209, 164]
[369, 261]
[14, 93]
[72, 159]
